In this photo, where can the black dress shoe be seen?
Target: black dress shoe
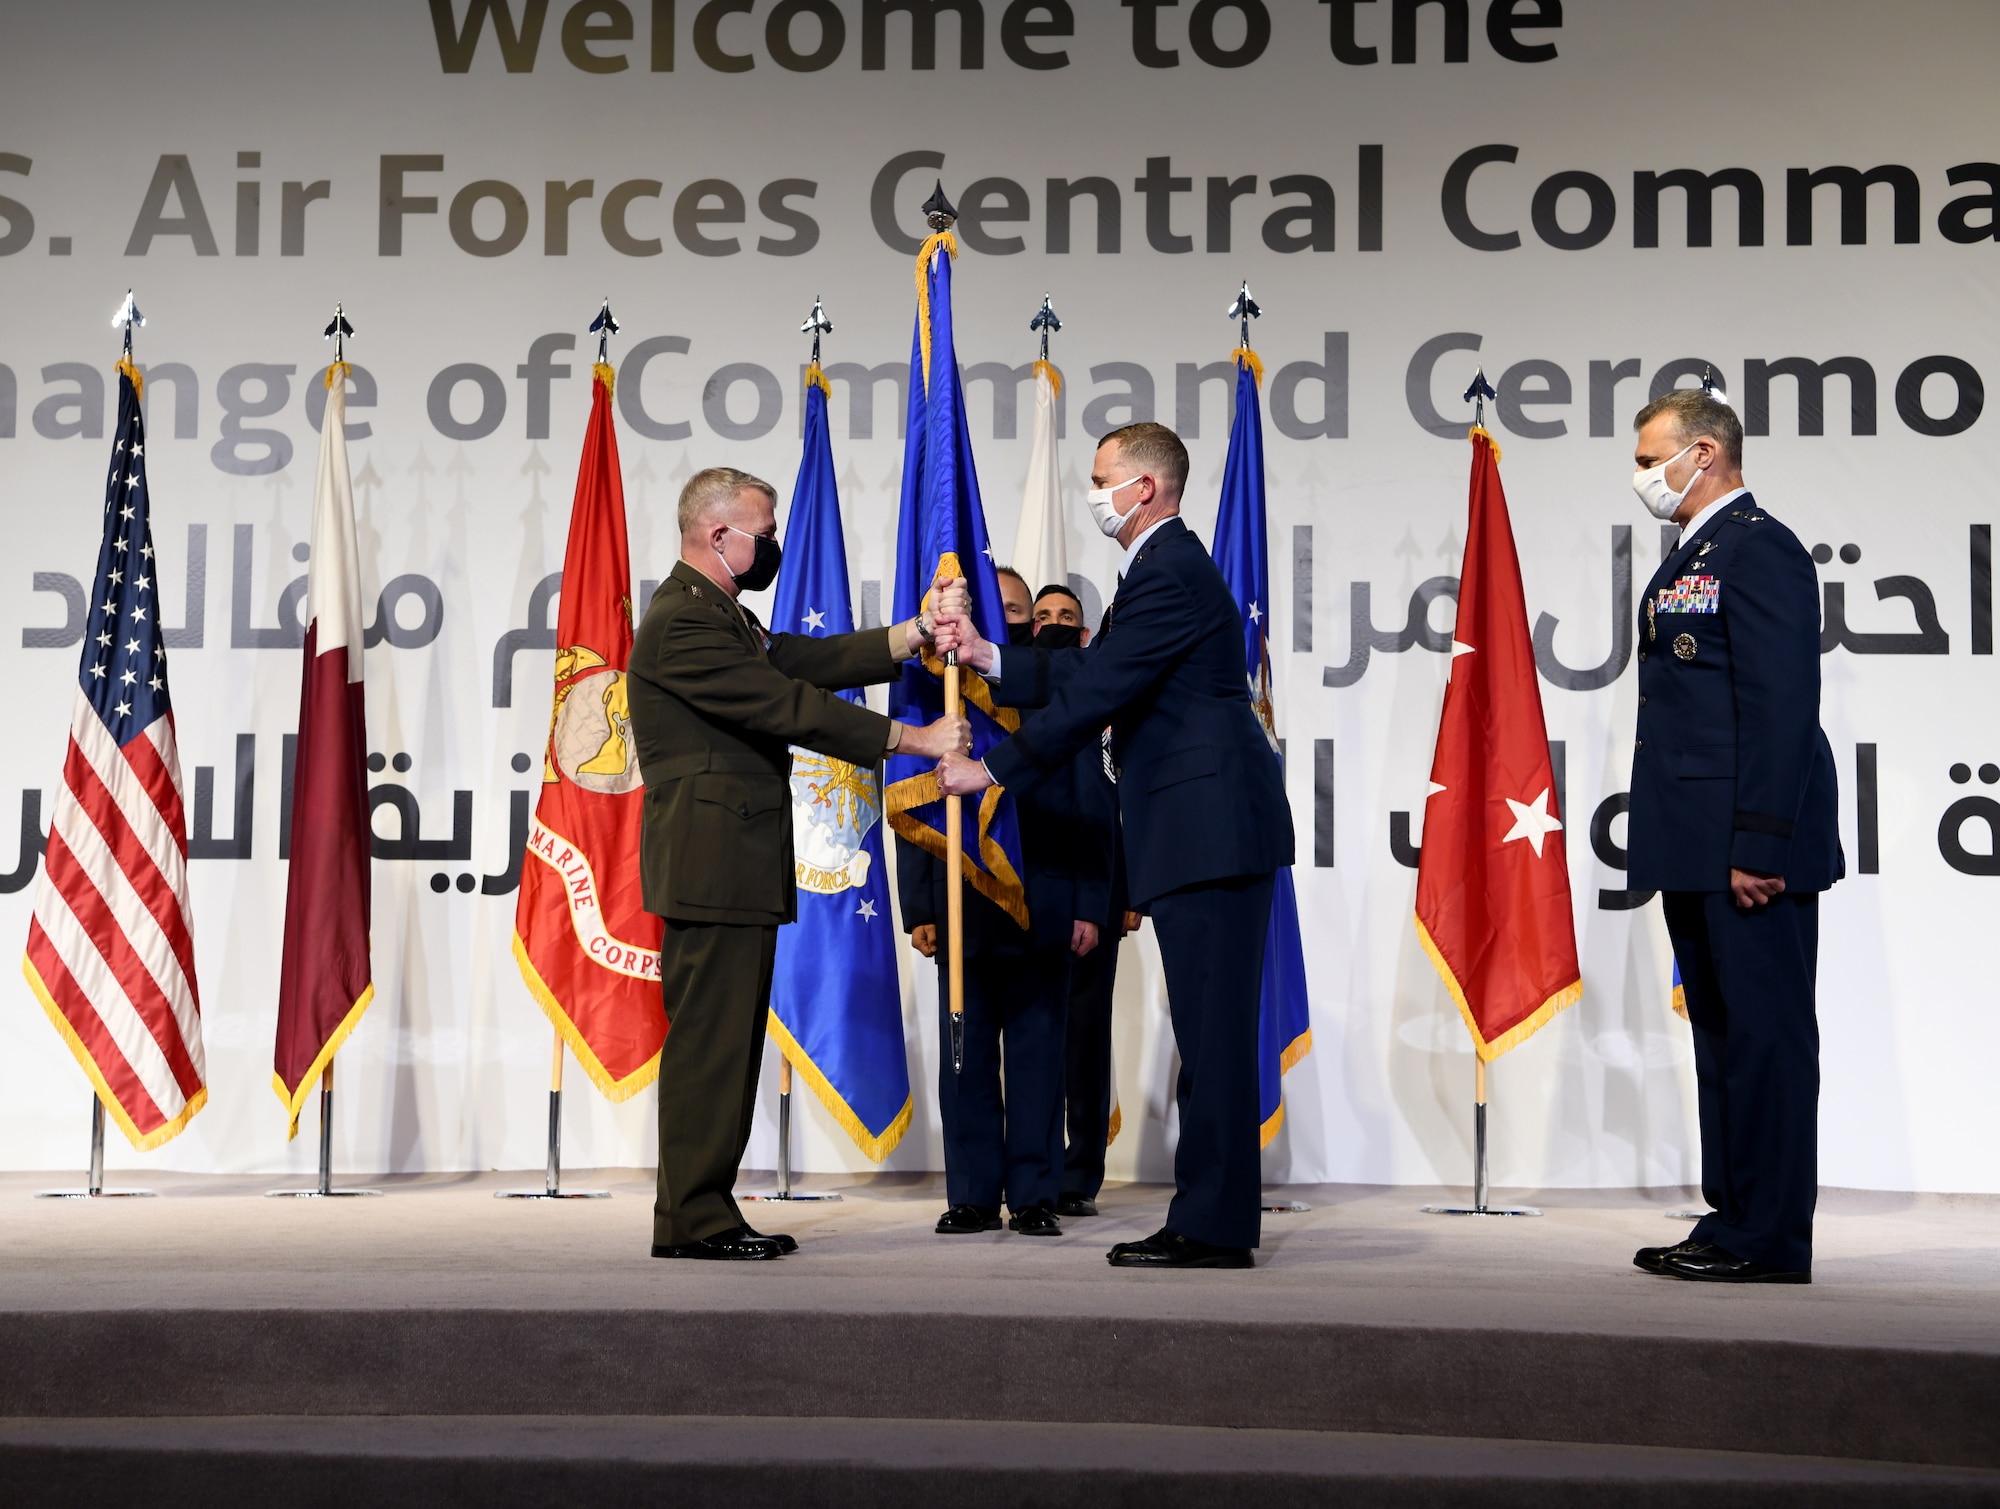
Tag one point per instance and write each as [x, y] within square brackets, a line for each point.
[964, 1220]
[737, 1246]
[1653, 1259]
[786, 1245]
[1169, 1249]
[1076, 1205]
[1035, 1221]
[1712, 1265]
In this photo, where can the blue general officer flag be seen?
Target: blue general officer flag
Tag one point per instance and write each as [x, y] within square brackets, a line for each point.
[836, 1005]
[941, 530]
[1284, 1026]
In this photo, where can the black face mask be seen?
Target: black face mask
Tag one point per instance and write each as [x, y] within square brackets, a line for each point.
[763, 563]
[1021, 633]
[1059, 637]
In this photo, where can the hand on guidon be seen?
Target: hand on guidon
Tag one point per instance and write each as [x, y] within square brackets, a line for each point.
[933, 741]
[949, 596]
[956, 631]
[959, 775]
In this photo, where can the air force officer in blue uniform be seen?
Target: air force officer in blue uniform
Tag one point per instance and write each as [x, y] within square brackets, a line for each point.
[1733, 821]
[1206, 823]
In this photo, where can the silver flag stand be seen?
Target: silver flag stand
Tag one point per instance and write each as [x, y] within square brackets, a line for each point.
[325, 1190]
[96, 1191]
[1479, 1207]
[1686, 1215]
[552, 1180]
[784, 1190]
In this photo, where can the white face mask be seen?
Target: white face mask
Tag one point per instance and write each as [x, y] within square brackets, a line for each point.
[1661, 501]
[1102, 509]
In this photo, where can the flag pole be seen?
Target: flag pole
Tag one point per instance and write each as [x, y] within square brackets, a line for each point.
[128, 315]
[815, 325]
[95, 1189]
[940, 217]
[1476, 395]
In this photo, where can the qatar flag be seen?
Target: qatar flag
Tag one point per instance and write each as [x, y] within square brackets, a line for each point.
[325, 983]
[1493, 905]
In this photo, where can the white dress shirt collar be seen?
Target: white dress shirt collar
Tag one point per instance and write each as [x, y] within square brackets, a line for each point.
[1132, 550]
[1693, 526]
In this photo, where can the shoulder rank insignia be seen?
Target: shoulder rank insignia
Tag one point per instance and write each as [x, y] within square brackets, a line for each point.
[693, 590]
[1684, 647]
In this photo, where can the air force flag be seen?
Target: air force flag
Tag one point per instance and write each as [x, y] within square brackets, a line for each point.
[836, 1006]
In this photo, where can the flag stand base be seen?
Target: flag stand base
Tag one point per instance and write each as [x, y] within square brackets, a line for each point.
[96, 1191]
[325, 1191]
[1479, 1207]
[1685, 1215]
[784, 1192]
[552, 1189]
[1277, 1207]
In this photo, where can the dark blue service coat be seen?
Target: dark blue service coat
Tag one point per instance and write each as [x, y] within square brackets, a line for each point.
[1201, 797]
[1730, 767]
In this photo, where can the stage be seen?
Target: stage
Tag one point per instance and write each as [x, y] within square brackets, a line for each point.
[438, 1345]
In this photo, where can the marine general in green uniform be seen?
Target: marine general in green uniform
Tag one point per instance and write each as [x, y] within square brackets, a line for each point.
[717, 704]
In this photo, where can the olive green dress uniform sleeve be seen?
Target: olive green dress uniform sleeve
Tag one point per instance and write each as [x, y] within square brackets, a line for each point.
[715, 713]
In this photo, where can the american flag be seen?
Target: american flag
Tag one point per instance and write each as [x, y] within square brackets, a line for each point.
[110, 952]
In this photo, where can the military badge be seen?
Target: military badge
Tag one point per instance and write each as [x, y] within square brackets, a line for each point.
[1706, 546]
[1684, 647]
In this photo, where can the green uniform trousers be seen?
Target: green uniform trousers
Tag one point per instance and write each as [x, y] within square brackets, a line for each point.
[716, 981]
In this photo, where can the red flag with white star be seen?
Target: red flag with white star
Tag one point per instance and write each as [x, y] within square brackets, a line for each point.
[1493, 905]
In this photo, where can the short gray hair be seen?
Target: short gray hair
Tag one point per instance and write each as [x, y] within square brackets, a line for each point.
[710, 489]
[1150, 447]
[1697, 416]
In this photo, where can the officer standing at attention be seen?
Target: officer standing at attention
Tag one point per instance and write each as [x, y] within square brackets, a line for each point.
[1093, 977]
[1206, 823]
[1733, 821]
[1017, 984]
[717, 703]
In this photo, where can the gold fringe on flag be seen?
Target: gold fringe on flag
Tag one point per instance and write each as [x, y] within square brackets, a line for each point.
[1243, 356]
[949, 242]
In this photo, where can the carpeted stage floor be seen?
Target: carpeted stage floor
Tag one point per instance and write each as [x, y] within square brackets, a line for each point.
[440, 1346]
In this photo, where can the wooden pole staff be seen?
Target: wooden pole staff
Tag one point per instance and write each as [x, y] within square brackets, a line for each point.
[954, 890]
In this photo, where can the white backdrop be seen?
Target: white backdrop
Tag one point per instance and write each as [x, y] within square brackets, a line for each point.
[231, 164]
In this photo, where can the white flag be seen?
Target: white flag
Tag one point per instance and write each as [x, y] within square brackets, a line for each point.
[1040, 549]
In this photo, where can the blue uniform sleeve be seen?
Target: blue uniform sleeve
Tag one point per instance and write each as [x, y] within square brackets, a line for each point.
[1157, 626]
[1771, 597]
[1097, 836]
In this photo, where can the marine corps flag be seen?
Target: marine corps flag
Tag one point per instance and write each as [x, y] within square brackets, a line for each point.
[1284, 1023]
[941, 532]
[587, 947]
[1493, 905]
[836, 1004]
[325, 982]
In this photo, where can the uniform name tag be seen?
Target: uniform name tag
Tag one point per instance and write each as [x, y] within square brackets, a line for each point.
[1691, 594]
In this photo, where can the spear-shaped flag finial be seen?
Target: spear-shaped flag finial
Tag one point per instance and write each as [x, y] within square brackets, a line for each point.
[128, 315]
[816, 324]
[938, 213]
[1711, 387]
[1244, 309]
[338, 332]
[1478, 393]
[1046, 322]
[604, 327]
